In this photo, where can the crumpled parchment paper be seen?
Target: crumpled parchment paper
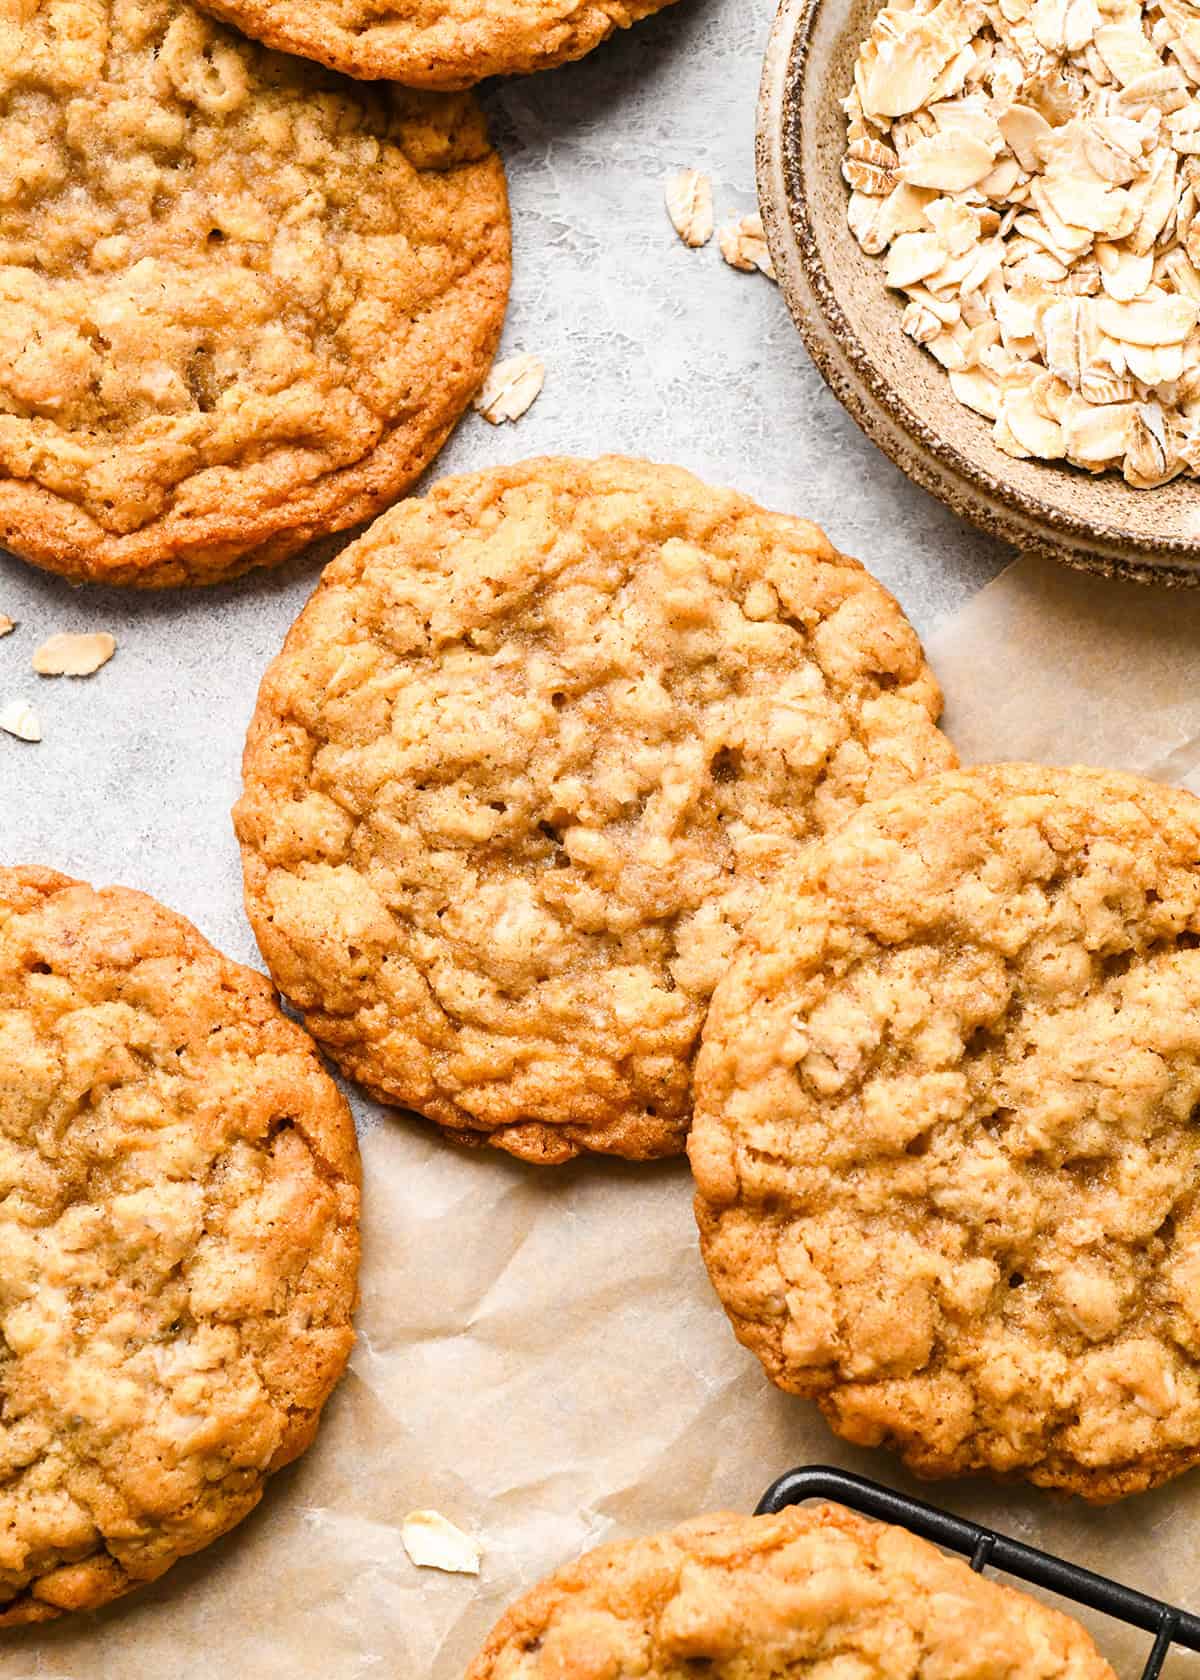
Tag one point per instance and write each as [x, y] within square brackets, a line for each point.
[540, 1356]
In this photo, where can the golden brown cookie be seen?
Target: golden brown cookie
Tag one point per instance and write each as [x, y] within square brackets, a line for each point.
[815, 1591]
[434, 43]
[178, 1242]
[242, 300]
[523, 767]
[946, 1148]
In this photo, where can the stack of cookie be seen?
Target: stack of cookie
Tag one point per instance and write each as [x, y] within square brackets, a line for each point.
[587, 808]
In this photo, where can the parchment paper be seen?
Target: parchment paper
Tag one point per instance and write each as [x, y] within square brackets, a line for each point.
[540, 1356]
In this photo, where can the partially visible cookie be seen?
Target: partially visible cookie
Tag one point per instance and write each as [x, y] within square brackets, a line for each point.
[434, 43]
[946, 1147]
[242, 300]
[523, 767]
[178, 1242]
[813, 1592]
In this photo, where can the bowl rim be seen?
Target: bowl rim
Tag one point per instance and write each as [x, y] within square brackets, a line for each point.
[844, 362]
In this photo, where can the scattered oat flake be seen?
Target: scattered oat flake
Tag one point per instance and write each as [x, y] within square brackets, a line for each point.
[67, 655]
[511, 388]
[17, 717]
[690, 206]
[744, 246]
[433, 1542]
[7, 625]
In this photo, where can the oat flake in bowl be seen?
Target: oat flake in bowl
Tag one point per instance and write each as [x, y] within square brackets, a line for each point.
[1030, 171]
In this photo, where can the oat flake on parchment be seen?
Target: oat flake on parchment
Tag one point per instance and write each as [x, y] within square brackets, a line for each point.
[432, 1541]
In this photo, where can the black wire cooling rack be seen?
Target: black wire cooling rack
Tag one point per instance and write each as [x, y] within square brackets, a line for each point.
[986, 1548]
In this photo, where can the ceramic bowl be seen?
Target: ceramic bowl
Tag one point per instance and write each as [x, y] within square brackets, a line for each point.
[895, 390]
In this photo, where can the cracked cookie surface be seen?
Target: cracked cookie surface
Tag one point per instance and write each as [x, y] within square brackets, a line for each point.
[178, 1242]
[523, 767]
[946, 1147]
[242, 300]
[434, 43]
[815, 1591]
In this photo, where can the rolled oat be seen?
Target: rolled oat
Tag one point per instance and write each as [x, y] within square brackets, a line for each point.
[1029, 171]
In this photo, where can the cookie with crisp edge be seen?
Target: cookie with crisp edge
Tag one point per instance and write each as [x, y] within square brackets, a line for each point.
[814, 1590]
[443, 44]
[269, 297]
[525, 762]
[945, 1146]
[180, 1242]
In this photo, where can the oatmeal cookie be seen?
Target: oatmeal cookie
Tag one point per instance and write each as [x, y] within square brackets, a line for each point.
[946, 1148]
[434, 43]
[178, 1242]
[242, 300]
[522, 768]
[814, 1591]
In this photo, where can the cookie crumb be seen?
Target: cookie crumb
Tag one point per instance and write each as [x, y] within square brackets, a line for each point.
[433, 1542]
[7, 625]
[690, 206]
[17, 717]
[744, 246]
[69, 655]
[511, 388]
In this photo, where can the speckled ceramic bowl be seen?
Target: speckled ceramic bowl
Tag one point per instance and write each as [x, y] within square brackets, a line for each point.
[896, 391]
